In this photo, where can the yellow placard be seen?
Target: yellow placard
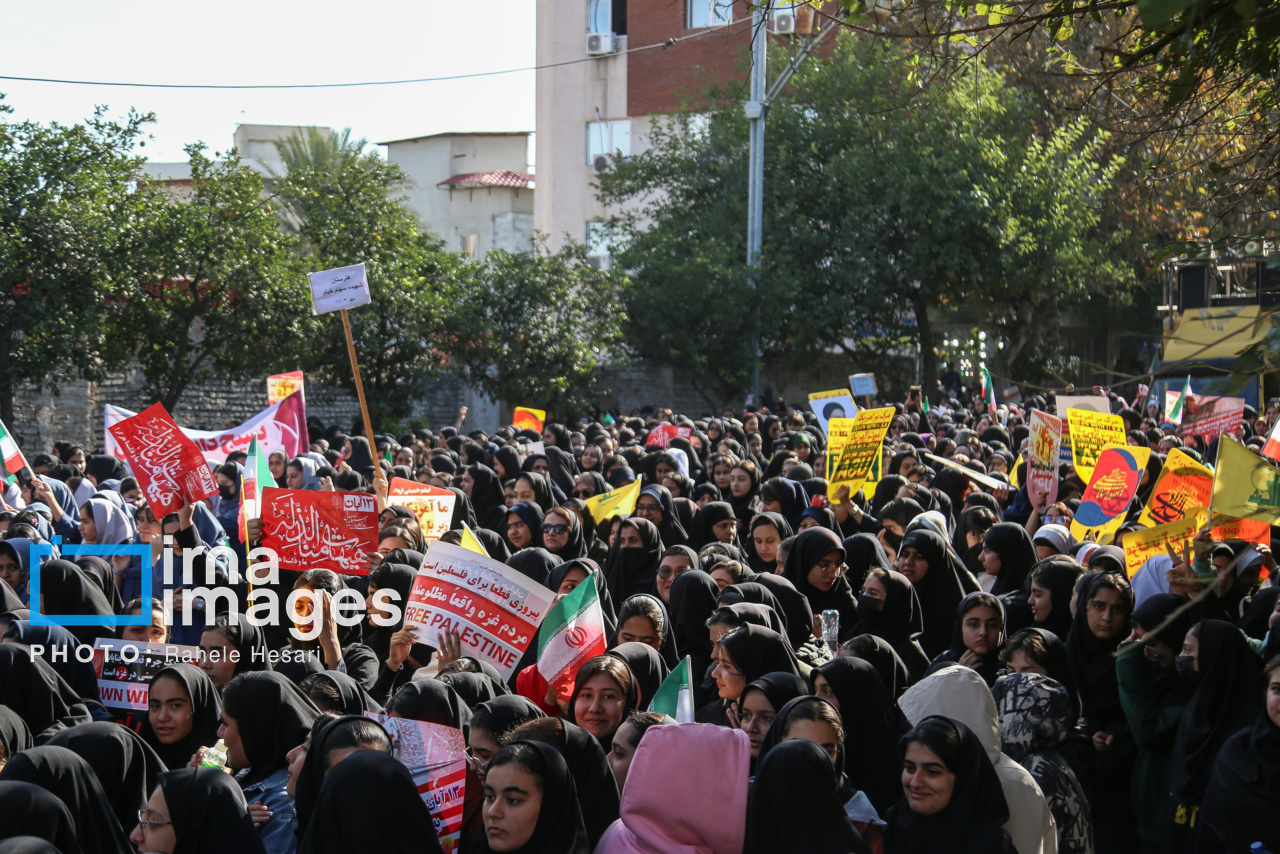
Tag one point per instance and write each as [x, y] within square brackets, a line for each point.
[1182, 485]
[1013, 475]
[1090, 432]
[853, 444]
[1141, 546]
[1110, 492]
[618, 502]
[1245, 486]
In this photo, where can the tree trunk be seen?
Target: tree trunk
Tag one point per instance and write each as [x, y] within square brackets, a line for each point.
[928, 356]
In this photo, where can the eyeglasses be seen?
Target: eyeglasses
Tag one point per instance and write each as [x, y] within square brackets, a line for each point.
[648, 509]
[511, 526]
[477, 763]
[747, 721]
[583, 493]
[828, 566]
[554, 529]
[665, 572]
[147, 824]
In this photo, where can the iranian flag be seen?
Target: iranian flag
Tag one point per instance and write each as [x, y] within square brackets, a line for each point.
[674, 696]
[988, 389]
[257, 474]
[14, 462]
[1272, 448]
[1175, 411]
[571, 634]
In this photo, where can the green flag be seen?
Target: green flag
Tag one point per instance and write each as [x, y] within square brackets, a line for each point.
[674, 696]
[1175, 413]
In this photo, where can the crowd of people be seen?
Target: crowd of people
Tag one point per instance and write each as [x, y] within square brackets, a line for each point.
[922, 666]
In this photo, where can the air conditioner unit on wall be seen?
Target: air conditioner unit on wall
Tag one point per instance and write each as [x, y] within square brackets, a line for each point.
[601, 162]
[601, 44]
[784, 22]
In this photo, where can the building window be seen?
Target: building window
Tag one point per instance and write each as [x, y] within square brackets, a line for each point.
[607, 16]
[599, 253]
[709, 13]
[608, 139]
[467, 244]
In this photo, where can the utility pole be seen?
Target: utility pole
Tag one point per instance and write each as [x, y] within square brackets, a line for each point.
[757, 109]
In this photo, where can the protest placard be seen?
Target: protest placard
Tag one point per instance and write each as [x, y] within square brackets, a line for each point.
[280, 427]
[494, 608]
[339, 289]
[619, 502]
[436, 757]
[124, 669]
[1245, 530]
[1112, 485]
[1091, 402]
[862, 385]
[975, 476]
[527, 418]
[1209, 416]
[280, 386]
[853, 444]
[1090, 432]
[432, 505]
[826, 405]
[168, 465]
[1182, 485]
[661, 436]
[320, 530]
[1141, 546]
[1043, 457]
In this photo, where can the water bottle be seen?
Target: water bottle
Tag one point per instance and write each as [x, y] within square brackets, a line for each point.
[831, 629]
[215, 757]
[1259, 848]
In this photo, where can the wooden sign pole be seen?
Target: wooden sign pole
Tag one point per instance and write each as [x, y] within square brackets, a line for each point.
[355, 369]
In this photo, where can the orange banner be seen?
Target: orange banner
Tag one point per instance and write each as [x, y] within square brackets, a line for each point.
[525, 418]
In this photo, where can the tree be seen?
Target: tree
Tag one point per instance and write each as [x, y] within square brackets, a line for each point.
[348, 209]
[66, 224]
[537, 327]
[218, 294]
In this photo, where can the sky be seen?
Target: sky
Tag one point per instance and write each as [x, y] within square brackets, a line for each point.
[270, 41]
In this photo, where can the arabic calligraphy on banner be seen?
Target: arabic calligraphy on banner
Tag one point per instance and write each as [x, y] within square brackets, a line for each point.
[166, 463]
[495, 609]
[1112, 485]
[1090, 431]
[1183, 484]
[1042, 456]
[661, 436]
[320, 530]
[432, 505]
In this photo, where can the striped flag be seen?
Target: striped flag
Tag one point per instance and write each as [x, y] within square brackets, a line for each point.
[257, 474]
[674, 696]
[1175, 412]
[571, 634]
[988, 388]
[13, 460]
[1272, 448]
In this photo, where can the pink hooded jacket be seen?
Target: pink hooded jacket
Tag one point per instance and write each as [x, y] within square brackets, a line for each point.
[686, 793]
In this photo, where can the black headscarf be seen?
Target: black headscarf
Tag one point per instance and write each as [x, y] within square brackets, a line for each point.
[793, 779]
[562, 468]
[532, 515]
[578, 545]
[206, 712]
[647, 669]
[1254, 622]
[358, 795]
[398, 577]
[670, 529]
[1093, 663]
[279, 719]
[972, 821]
[1166, 687]
[779, 688]
[940, 590]
[1017, 556]
[899, 621]
[354, 698]
[29, 810]
[474, 688]
[779, 524]
[593, 782]
[989, 667]
[488, 498]
[14, 734]
[66, 589]
[796, 612]
[885, 659]
[104, 467]
[666, 632]
[432, 701]
[862, 552]
[36, 693]
[543, 495]
[635, 570]
[535, 563]
[509, 458]
[560, 828]
[757, 651]
[693, 600]
[1059, 577]
[72, 781]
[503, 714]
[1239, 806]
[1227, 699]
[59, 647]
[209, 813]
[361, 459]
[705, 521]
[118, 755]
[760, 615]
[811, 546]
[887, 490]
[870, 721]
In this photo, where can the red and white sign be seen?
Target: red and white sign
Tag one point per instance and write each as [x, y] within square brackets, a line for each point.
[662, 435]
[167, 464]
[279, 427]
[1209, 417]
[436, 756]
[496, 610]
[309, 529]
[432, 505]
[280, 386]
[1042, 456]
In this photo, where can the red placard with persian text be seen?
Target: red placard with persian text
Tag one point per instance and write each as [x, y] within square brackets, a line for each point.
[311, 529]
[167, 464]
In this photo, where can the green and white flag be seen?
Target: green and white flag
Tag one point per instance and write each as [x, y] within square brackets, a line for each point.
[1175, 411]
[988, 389]
[257, 474]
[10, 455]
[674, 696]
[571, 634]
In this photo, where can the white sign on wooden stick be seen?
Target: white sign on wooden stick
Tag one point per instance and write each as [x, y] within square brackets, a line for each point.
[339, 288]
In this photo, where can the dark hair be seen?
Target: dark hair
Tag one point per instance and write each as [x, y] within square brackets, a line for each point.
[978, 520]
[733, 567]
[612, 666]
[643, 606]
[320, 579]
[358, 733]
[322, 692]
[819, 711]
[546, 730]
[399, 530]
[641, 721]
[1271, 667]
[1030, 643]
[938, 734]
[1111, 581]
[524, 755]
[725, 616]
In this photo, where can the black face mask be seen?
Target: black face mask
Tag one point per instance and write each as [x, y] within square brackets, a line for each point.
[869, 609]
[226, 492]
[1186, 667]
[894, 540]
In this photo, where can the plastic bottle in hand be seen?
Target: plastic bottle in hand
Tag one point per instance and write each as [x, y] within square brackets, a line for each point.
[831, 629]
[215, 757]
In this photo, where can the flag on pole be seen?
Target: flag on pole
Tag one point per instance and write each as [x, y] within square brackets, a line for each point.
[571, 635]
[471, 541]
[256, 475]
[988, 388]
[674, 696]
[1245, 486]
[1175, 413]
[1272, 448]
[13, 460]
